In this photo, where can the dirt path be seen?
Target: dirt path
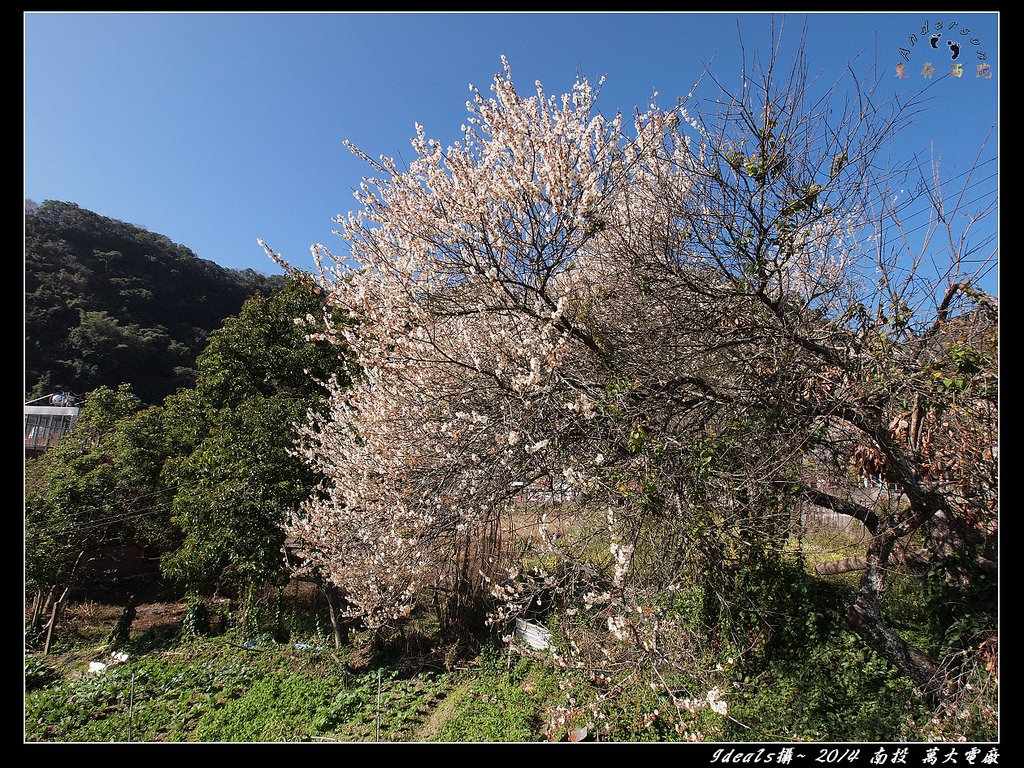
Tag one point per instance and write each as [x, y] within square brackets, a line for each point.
[442, 708]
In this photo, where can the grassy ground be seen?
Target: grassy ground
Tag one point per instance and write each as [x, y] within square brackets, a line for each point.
[226, 688]
[820, 684]
[217, 689]
[824, 545]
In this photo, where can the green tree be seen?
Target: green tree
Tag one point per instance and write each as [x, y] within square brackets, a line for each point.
[99, 486]
[208, 479]
[239, 480]
[105, 348]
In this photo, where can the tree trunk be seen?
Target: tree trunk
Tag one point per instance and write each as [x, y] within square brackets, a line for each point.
[54, 614]
[334, 613]
[843, 506]
[925, 504]
[916, 665]
[865, 615]
[123, 629]
[42, 610]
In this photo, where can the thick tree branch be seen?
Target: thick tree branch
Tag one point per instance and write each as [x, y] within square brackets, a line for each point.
[842, 506]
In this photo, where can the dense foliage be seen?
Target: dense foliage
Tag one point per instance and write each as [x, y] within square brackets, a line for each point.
[238, 482]
[99, 487]
[107, 302]
[208, 479]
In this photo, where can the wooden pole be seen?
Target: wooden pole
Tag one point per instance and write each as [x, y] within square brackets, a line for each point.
[57, 605]
[44, 606]
[49, 627]
[131, 707]
[376, 727]
[34, 619]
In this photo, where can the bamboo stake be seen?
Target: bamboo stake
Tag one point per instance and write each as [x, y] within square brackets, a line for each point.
[376, 726]
[131, 707]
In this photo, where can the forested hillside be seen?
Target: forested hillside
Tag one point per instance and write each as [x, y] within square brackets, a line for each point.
[108, 302]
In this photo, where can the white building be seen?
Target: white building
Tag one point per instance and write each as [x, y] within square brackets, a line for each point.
[46, 423]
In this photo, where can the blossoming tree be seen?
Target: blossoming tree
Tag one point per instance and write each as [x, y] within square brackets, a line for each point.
[678, 329]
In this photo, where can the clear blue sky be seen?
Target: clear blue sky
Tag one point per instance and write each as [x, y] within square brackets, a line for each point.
[216, 129]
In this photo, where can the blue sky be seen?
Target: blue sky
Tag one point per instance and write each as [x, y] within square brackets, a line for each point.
[216, 129]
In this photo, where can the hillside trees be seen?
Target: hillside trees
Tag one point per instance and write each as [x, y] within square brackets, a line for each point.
[107, 302]
[686, 329]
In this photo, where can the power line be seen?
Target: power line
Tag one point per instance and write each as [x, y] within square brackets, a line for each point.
[58, 527]
[130, 516]
[924, 185]
[930, 207]
[84, 513]
[928, 223]
[81, 523]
